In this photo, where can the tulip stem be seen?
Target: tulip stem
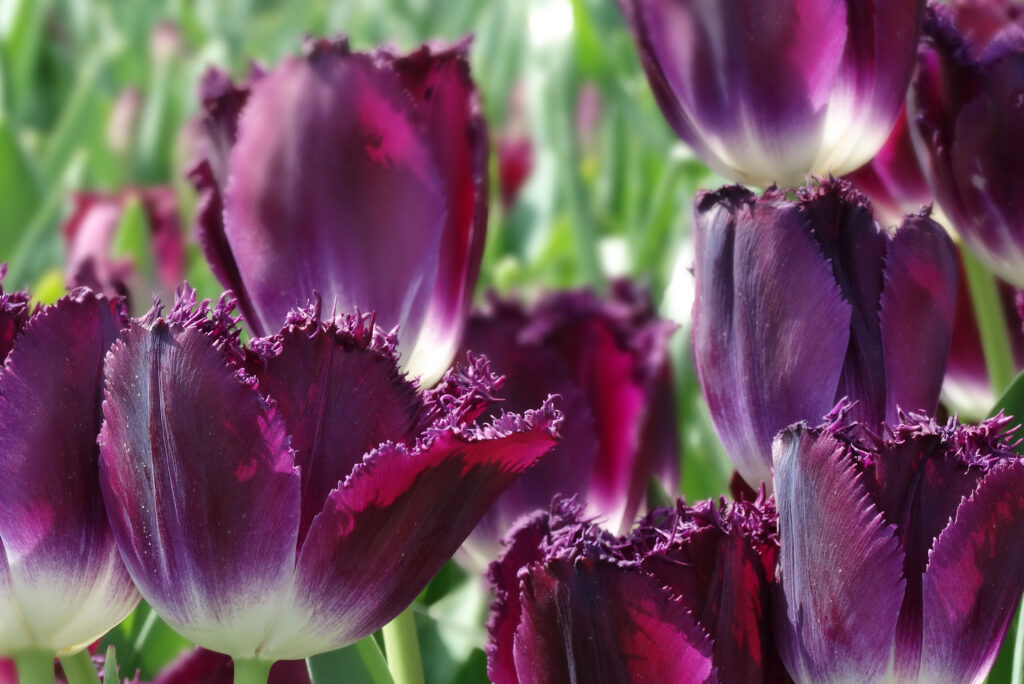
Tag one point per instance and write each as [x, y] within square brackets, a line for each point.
[254, 671]
[34, 667]
[79, 669]
[402, 648]
[988, 311]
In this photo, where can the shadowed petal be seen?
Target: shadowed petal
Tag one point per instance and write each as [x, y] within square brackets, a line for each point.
[395, 521]
[770, 326]
[587, 620]
[66, 576]
[840, 565]
[14, 313]
[974, 580]
[186, 450]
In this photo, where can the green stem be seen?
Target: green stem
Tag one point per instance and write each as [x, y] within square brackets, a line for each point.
[34, 667]
[79, 669]
[253, 671]
[402, 647]
[988, 311]
[1018, 650]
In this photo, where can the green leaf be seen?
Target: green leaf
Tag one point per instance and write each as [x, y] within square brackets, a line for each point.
[132, 239]
[19, 189]
[110, 675]
[360, 663]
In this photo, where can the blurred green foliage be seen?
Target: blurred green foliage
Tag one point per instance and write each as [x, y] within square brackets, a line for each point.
[99, 94]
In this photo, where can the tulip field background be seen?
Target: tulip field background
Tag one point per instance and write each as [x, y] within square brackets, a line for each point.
[98, 95]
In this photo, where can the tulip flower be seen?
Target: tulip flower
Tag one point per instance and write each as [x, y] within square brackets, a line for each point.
[287, 498]
[62, 582]
[893, 180]
[608, 360]
[684, 599]
[968, 122]
[361, 176]
[14, 314]
[769, 91]
[801, 303]
[901, 554]
[91, 235]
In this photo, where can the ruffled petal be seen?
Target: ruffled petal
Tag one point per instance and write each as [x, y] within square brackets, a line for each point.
[187, 447]
[840, 564]
[66, 577]
[14, 314]
[974, 580]
[590, 620]
[770, 325]
[389, 528]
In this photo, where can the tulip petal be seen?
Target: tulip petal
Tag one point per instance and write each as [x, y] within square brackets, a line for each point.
[186, 448]
[200, 666]
[440, 83]
[917, 310]
[341, 394]
[14, 313]
[840, 565]
[327, 146]
[65, 571]
[974, 580]
[588, 620]
[770, 326]
[395, 521]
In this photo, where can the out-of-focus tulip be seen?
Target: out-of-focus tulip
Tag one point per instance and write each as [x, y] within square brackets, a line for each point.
[608, 360]
[684, 599]
[200, 666]
[91, 233]
[361, 176]
[62, 582]
[901, 556]
[769, 91]
[893, 179]
[801, 303]
[967, 111]
[967, 388]
[337, 487]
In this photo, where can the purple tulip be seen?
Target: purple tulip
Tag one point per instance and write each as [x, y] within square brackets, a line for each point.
[902, 558]
[361, 176]
[92, 231]
[801, 303]
[968, 119]
[768, 91]
[685, 598]
[290, 497]
[62, 582]
[607, 359]
[893, 180]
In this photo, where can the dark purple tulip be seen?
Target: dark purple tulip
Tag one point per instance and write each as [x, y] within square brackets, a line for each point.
[338, 488]
[200, 666]
[769, 91]
[893, 180]
[607, 359]
[967, 108]
[685, 598]
[14, 314]
[802, 302]
[62, 582]
[361, 176]
[90, 234]
[902, 558]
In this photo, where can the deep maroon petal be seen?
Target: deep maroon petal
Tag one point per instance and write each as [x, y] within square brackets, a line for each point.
[200, 666]
[770, 326]
[840, 564]
[587, 620]
[532, 373]
[916, 315]
[395, 521]
[65, 573]
[440, 83]
[14, 314]
[974, 580]
[341, 394]
[187, 448]
[335, 188]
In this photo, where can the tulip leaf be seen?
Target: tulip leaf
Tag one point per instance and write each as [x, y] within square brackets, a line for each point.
[361, 663]
[19, 188]
[1012, 400]
[110, 675]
